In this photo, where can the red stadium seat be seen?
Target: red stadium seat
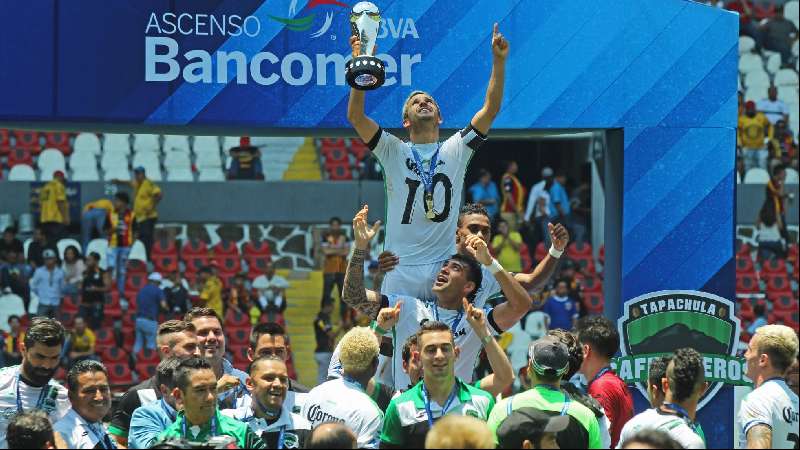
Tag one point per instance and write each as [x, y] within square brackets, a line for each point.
[774, 267]
[20, 156]
[746, 311]
[788, 318]
[358, 149]
[229, 265]
[5, 142]
[240, 359]
[146, 370]
[579, 250]
[119, 376]
[592, 284]
[601, 254]
[66, 318]
[744, 264]
[338, 172]
[540, 253]
[332, 142]
[225, 248]
[334, 155]
[165, 264]
[747, 284]
[135, 281]
[164, 247]
[69, 304]
[586, 266]
[238, 336]
[147, 355]
[135, 266]
[195, 255]
[777, 284]
[58, 140]
[235, 319]
[743, 248]
[257, 255]
[28, 140]
[593, 302]
[525, 257]
[784, 302]
[104, 338]
[114, 355]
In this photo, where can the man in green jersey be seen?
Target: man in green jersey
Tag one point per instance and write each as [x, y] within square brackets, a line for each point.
[410, 416]
[549, 361]
[196, 390]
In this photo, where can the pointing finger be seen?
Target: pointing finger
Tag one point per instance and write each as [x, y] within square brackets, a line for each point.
[495, 28]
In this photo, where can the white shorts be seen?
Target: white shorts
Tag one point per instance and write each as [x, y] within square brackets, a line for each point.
[412, 281]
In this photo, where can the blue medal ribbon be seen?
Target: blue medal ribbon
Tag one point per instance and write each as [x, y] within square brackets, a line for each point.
[280, 437]
[456, 321]
[101, 435]
[427, 178]
[683, 414]
[39, 402]
[446, 406]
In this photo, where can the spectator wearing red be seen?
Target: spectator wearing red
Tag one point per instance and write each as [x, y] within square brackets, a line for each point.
[600, 341]
[120, 237]
[512, 209]
[245, 163]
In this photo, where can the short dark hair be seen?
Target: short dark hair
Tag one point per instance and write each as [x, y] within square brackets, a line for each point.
[183, 373]
[10, 229]
[600, 333]
[198, 311]
[652, 438]
[340, 437]
[658, 371]
[123, 197]
[471, 208]
[684, 372]
[12, 317]
[80, 367]
[474, 272]
[30, 429]
[335, 219]
[44, 330]
[431, 326]
[410, 342]
[263, 359]
[96, 256]
[570, 340]
[165, 371]
[175, 326]
[270, 328]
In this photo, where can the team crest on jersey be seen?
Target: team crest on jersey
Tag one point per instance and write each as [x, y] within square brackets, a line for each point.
[658, 323]
[290, 440]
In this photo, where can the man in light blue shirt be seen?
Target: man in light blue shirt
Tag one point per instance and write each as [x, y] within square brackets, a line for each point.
[559, 201]
[148, 421]
[48, 284]
[485, 192]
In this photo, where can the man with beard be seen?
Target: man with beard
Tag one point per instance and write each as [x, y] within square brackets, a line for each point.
[174, 338]
[30, 385]
[425, 176]
[211, 343]
[90, 395]
[267, 415]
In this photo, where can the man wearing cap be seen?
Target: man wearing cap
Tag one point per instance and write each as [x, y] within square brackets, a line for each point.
[48, 284]
[754, 133]
[148, 302]
[410, 416]
[146, 196]
[54, 208]
[549, 361]
[531, 428]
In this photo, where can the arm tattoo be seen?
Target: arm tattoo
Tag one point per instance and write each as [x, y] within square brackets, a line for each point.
[760, 436]
[354, 292]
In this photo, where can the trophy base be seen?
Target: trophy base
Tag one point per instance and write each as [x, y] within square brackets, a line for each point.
[365, 73]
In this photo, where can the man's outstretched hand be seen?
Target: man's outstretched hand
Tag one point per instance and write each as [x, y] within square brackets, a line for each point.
[499, 43]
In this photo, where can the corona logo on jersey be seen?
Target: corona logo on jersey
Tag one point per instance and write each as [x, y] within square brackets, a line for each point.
[658, 323]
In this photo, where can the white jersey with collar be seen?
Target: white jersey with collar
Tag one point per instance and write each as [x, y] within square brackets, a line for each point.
[259, 426]
[413, 237]
[345, 402]
[775, 405]
[56, 403]
[77, 433]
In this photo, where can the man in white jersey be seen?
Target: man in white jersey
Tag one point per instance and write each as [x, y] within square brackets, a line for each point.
[768, 416]
[344, 400]
[30, 385]
[459, 277]
[424, 178]
[684, 384]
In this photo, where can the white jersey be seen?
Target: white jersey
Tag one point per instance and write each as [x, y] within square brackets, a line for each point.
[412, 236]
[775, 405]
[78, 433]
[54, 400]
[675, 426]
[292, 424]
[293, 401]
[345, 402]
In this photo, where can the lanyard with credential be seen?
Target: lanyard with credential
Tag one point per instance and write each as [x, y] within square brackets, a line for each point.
[101, 435]
[427, 178]
[213, 426]
[280, 437]
[446, 406]
[39, 403]
[684, 414]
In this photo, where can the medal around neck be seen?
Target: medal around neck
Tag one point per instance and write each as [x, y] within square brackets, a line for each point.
[365, 72]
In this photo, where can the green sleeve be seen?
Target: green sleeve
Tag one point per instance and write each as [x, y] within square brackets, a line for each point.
[392, 432]
[251, 440]
[595, 441]
[496, 417]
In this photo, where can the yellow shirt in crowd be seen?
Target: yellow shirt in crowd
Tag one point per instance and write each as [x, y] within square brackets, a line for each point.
[102, 203]
[144, 200]
[84, 342]
[507, 256]
[49, 196]
[753, 131]
[212, 295]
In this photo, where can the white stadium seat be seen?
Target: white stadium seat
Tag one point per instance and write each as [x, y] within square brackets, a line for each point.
[177, 160]
[112, 160]
[174, 142]
[138, 252]
[146, 142]
[208, 159]
[82, 158]
[87, 142]
[99, 246]
[210, 174]
[153, 172]
[85, 174]
[145, 159]
[750, 62]
[229, 142]
[206, 144]
[774, 63]
[51, 159]
[757, 78]
[791, 11]
[792, 176]
[746, 44]
[117, 173]
[786, 77]
[120, 143]
[756, 175]
[180, 175]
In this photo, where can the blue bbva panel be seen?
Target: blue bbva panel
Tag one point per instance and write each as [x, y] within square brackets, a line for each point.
[664, 70]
